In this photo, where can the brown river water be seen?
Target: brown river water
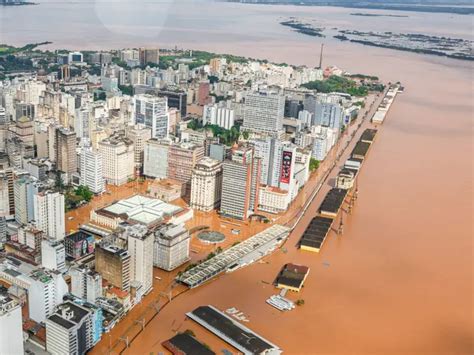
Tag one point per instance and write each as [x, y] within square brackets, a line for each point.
[399, 280]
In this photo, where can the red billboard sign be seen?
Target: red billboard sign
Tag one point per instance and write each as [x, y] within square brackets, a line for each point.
[286, 167]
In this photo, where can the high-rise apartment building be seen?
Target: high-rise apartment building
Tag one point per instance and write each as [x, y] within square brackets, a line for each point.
[25, 187]
[66, 157]
[182, 158]
[203, 97]
[49, 214]
[140, 247]
[263, 112]
[113, 263]
[91, 169]
[176, 99]
[83, 122]
[118, 159]
[206, 185]
[70, 330]
[139, 135]
[155, 158]
[147, 55]
[240, 183]
[171, 247]
[85, 283]
[152, 112]
[53, 255]
[11, 334]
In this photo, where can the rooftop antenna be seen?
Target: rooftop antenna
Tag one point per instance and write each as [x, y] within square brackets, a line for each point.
[321, 57]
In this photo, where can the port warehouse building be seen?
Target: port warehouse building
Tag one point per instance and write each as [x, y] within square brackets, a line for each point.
[237, 256]
[315, 234]
[232, 332]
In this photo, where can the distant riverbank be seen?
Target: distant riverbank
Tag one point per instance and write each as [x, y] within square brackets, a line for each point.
[458, 10]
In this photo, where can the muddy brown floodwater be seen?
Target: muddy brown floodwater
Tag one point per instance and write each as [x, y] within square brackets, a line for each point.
[399, 280]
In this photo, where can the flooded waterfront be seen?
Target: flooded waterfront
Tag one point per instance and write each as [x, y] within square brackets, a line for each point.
[399, 280]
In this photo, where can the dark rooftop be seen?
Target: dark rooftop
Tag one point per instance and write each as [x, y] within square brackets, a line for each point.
[78, 313]
[368, 136]
[292, 275]
[211, 318]
[316, 232]
[333, 201]
[184, 344]
[77, 236]
[360, 150]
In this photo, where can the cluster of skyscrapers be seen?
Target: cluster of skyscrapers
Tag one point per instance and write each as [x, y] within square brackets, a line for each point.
[233, 137]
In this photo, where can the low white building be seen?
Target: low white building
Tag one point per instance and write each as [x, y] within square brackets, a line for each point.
[220, 116]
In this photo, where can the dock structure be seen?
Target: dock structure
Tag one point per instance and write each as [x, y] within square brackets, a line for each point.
[387, 101]
[292, 277]
[232, 332]
[244, 253]
[332, 202]
[315, 234]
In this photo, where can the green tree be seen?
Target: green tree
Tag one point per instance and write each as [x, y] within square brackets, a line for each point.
[84, 192]
[313, 164]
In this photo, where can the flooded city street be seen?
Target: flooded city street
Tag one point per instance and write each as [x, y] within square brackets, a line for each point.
[399, 279]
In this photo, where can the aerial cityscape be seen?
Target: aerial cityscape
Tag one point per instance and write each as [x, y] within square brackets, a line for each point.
[255, 178]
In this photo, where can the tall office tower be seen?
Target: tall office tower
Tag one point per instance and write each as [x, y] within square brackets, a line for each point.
[83, 122]
[240, 183]
[275, 155]
[9, 173]
[3, 116]
[149, 56]
[176, 99]
[206, 185]
[118, 157]
[152, 111]
[53, 255]
[85, 283]
[4, 195]
[91, 170]
[70, 330]
[11, 334]
[23, 130]
[329, 115]
[49, 214]
[155, 158]
[320, 147]
[66, 157]
[25, 187]
[171, 248]
[220, 116]
[263, 112]
[138, 134]
[113, 263]
[140, 247]
[203, 97]
[3, 231]
[182, 158]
